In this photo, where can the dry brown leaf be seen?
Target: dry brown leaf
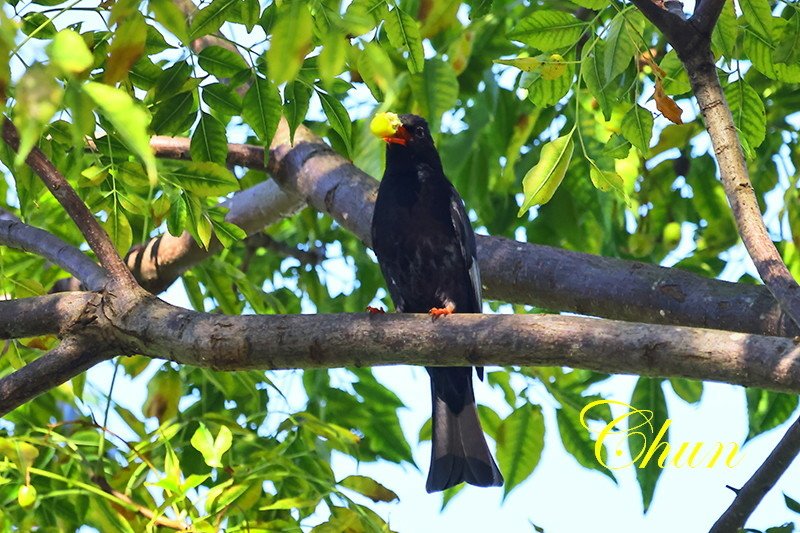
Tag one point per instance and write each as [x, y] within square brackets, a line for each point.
[666, 104]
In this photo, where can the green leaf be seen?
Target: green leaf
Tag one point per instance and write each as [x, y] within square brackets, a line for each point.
[758, 14]
[172, 80]
[547, 85]
[338, 118]
[578, 442]
[333, 55]
[369, 488]
[541, 182]
[119, 229]
[261, 109]
[606, 179]
[520, 441]
[436, 90]
[787, 49]
[290, 42]
[164, 391]
[38, 26]
[637, 127]
[174, 115]
[221, 62]
[648, 396]
[210, 18]
[676, 80]
[791, 503]
[69, 52]
[212, 449]
[548, 30]
[767, 410]
[222, 99]
[403, 33]
[39, 96]
[377, 70]
[761, 52]
[748, 112]
[621, 44]
[209, 141]
[198, 223]
[597, 5]
[227, 233]
[297, 96]
[169, 15]
[129, 119]
[593, 74]
[688, 390]
[202, 179]
[726, 31]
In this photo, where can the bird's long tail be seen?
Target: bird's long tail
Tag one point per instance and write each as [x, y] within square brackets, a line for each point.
[460, 452]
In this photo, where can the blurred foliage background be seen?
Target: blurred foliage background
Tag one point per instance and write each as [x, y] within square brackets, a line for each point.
[556, 121]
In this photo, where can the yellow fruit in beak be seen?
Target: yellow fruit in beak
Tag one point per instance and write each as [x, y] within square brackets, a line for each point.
[385, 125]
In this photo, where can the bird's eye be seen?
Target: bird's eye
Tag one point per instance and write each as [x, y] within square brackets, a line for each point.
[420, 131]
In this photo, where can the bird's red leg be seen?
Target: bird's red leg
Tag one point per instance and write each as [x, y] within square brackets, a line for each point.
[436, 312]
[375, 310]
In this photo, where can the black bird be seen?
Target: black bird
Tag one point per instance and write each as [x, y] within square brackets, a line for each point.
[426, 250]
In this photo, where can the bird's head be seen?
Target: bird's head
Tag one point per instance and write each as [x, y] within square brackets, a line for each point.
[410, 131]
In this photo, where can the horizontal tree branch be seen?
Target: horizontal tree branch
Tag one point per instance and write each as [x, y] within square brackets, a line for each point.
[95, 235]
[21, 236]
[307, 341]
[43, 315]
[160, 261]
[140, 323]
[70, 358]
[539, 275]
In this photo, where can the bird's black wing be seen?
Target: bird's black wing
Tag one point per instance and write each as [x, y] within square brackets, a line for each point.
[469, 250]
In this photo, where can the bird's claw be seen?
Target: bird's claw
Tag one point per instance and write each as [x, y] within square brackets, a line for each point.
[436, 312]
[375, 310]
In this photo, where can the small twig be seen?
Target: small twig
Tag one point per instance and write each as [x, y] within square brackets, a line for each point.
[313, 256]
[158, 520]
[750, 495]
[63, 192]
[71, 357]
[16, 234]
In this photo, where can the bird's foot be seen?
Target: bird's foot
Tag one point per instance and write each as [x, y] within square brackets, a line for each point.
[436, 312]
[375, 310]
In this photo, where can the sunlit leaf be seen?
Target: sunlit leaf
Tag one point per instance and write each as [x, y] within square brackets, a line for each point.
[261, 109]
[520, 440]
[403, 33]
[637, 127]
[541, 182]
[547, 30]
[129, 119]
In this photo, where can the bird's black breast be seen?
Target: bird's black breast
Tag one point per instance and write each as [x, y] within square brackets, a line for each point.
[418, 246]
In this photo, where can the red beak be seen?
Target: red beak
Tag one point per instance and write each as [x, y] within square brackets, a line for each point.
[400, 137]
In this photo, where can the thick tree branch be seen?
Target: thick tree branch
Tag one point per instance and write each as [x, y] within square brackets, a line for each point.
[16, 234]
[140, 323]
[750, 495]
[540, 275]
[157, 263]
[706, 14]
[42, 315]
[72, 357]
[694, 49]
[63, 192]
